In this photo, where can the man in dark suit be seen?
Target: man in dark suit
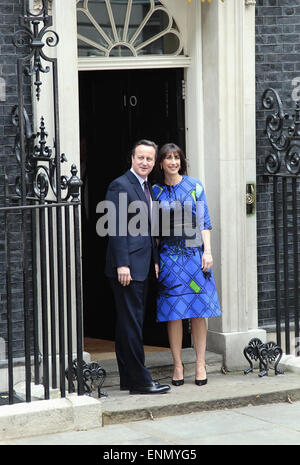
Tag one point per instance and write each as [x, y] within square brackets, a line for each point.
[130, 258]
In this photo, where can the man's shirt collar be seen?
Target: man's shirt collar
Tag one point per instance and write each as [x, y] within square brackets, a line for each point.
[141, 180]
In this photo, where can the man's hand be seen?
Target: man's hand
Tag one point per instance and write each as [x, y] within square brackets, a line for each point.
[156, 270]
[124, 276]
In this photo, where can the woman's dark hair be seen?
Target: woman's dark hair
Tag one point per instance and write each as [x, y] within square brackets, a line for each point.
[158, 174]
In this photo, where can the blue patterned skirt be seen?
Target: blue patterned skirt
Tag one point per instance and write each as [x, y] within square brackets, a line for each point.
[185, 291]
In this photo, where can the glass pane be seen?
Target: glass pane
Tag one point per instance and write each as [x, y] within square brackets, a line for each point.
[168, 44]
[171, 43]
[119, 9]
[85, 50]
[120, 51]
[157, 22]
[88, 30]
[139, 10]
[99, 12]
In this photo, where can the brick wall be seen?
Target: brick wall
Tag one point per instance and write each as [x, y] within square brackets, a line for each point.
[9, 24]
[277, 64]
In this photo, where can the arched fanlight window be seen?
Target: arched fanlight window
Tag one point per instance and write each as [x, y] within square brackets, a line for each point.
[114, 28]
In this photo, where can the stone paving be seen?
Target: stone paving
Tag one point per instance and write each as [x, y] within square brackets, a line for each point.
[271, 424]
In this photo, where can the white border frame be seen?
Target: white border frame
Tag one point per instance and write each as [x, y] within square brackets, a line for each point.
[144, 62]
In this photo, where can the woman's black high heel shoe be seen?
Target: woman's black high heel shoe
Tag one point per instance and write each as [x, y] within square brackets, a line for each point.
[201, 382]
[178, 382]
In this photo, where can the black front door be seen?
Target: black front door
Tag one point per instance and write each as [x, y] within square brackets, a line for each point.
[117, 108]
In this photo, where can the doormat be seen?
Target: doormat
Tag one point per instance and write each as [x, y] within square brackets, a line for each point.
[4, 399]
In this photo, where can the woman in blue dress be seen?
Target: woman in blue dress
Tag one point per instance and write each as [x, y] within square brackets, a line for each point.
[186, 286]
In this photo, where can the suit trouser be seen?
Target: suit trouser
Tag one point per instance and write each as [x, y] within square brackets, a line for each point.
[130, 309]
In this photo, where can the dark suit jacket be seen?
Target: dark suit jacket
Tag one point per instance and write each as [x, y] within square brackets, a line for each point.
[128, 250]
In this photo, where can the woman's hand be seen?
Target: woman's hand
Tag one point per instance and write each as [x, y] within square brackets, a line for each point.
[156, 270]
[207, 261]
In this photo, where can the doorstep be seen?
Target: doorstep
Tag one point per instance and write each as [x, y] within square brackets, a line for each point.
[223, 391]
[160, 365]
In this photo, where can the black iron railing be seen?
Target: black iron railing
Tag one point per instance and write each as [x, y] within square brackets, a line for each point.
[42, 262]
[48, 325]
[282, 169]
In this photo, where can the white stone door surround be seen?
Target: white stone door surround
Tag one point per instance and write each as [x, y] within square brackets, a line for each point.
[228, 34]
[219, 43]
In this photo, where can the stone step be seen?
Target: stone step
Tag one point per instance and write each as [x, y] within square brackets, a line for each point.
[160, 365]
[223, 391]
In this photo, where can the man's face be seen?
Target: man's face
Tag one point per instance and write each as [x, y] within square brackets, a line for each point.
[143, 160]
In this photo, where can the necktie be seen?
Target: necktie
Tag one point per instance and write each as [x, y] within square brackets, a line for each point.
[147, 194]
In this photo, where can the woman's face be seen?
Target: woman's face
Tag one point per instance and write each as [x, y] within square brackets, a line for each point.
[171, 163]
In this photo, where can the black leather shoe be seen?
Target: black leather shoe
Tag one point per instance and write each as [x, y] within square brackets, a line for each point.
[154, 388]
[127, 388]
